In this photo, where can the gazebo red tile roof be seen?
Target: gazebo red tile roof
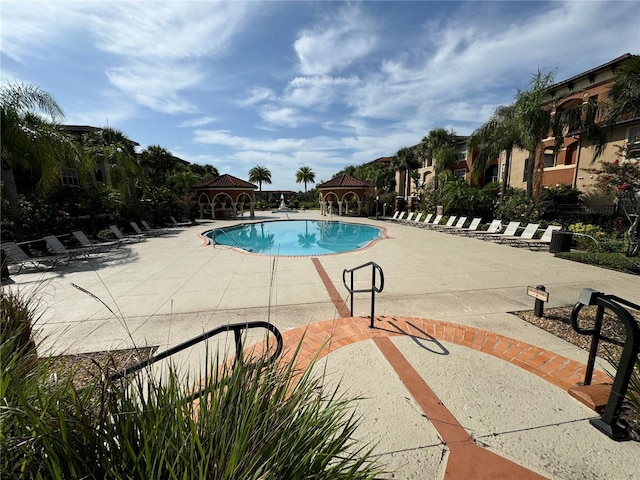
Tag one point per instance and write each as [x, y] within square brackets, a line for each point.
[225, 181]
[345, 181]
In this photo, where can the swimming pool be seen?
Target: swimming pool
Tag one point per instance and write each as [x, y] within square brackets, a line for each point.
[296, 237]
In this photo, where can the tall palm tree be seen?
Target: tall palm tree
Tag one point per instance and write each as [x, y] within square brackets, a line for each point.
[117, 151]
[623, 98]
[32, 139]
[406, 160]
[261, 175]
[533, 122]
[158, 163]
[498, 134]
[306, 175]
[439, 146]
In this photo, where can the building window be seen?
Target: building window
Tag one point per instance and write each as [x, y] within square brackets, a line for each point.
[549, 159]
[70, 177]
[462, 154]
[460, 173]
[633, 142]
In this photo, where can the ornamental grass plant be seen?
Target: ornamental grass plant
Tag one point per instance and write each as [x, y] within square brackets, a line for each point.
[257, 420]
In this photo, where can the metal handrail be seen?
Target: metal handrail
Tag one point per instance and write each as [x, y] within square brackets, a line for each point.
[237, 329]
[608, 424]
[373, 290]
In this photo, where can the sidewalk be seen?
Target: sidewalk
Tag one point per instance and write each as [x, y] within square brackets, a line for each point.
[503, 380]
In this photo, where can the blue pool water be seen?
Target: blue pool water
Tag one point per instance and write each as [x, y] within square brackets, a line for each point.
[296, 237]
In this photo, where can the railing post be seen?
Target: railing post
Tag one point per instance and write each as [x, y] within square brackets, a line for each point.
[609, 424]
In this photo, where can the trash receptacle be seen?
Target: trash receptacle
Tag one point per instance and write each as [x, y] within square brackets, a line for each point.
[561, 241]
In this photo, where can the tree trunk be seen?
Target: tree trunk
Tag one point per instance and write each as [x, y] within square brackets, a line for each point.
[11, 191]
[505, 175]
[531, 167]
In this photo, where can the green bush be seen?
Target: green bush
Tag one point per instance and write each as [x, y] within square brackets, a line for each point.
[615, 261]
[17, 319]
[257, 420]
[517, 207]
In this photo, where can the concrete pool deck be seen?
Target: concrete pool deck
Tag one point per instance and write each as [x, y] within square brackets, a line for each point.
[450, 380]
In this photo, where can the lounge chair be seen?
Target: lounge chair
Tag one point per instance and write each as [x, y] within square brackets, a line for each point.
[510, 231]
[148, 233]
[456, 226]
[100, 247]
[473, 226]
[436, 221]
[401, 216]
[147, 228]
[126, 238]
[55, 245]
[175, 223]
[17, 256]
[417, 218]
[527, 234]
[494, 228]
[427, 218]
[450, 221]
[408, 219]
[537, 243]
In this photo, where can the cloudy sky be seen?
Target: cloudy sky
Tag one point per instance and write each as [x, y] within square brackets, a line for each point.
[290, 84]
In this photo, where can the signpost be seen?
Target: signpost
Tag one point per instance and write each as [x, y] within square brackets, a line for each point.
[541, 295]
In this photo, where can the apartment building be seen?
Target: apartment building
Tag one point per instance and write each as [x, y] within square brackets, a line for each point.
[569, 164]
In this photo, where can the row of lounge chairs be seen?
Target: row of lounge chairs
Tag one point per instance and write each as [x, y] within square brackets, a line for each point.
[494, 233]
[59, 254]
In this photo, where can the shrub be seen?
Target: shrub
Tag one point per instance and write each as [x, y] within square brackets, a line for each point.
[17, 319]
[517, 207]
[615, 261]
[256, 421]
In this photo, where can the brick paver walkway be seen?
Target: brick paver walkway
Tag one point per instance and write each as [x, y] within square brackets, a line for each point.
[466, 459]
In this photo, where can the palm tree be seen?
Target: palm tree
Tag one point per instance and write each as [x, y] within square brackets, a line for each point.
[623, 98]
[261, 175]
[32, 140]
[489, 140]
[113, 148]
[158, 163]
[306, 175]
[406, 161]
[439, 146]
[533, 122]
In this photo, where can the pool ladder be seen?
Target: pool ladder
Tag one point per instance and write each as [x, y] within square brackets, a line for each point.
[375, 268]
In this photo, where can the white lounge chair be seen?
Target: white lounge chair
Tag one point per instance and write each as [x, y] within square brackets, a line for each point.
[473, 226]
[537, 243]
[450, 221]
[425, 220]
[494, 228]
[436, 221]
[527, 234]
[510, 231]
[456, 226]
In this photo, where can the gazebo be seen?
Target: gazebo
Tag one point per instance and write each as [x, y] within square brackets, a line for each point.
[341, 190]
[225, 197]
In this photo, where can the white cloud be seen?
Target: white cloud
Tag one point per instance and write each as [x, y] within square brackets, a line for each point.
[340, 39]
[257, 95]
[287, 117]
[197, 122]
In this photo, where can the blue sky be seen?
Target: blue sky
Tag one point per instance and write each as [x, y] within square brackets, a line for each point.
[291, 84]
